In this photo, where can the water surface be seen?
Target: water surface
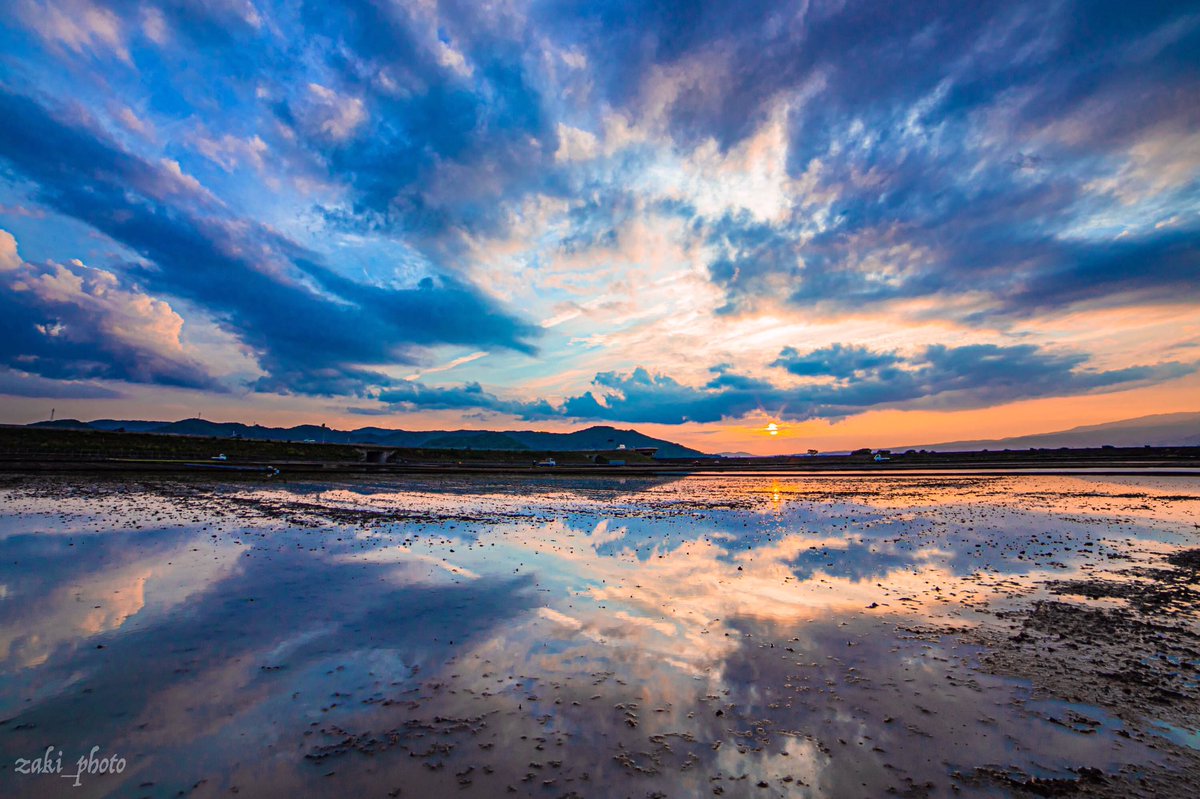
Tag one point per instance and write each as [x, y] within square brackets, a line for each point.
[738, 636]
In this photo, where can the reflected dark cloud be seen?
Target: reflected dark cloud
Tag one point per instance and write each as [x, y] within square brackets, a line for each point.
[276, 618]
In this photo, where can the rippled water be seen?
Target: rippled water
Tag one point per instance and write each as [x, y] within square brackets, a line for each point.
[744, 636]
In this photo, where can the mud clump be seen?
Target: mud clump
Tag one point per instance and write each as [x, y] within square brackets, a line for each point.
[1137, 661]
[1110, 658]
[1187, 559]
[1173, 591]
[1023, 785]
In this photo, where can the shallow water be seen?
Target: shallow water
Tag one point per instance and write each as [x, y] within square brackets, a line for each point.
[744, 636]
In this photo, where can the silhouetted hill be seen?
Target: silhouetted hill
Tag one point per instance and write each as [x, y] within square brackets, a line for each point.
[589, 439]
[64, 424]
[1159, 430]
[600, 437]
[485, 440]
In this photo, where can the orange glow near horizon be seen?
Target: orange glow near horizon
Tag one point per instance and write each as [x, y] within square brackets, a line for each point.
[753, 434]
[739, 243]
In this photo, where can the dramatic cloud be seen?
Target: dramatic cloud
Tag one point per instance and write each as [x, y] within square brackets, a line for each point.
[412, 395]
[73, 322]
[442, 117]
[17, 383]
[620, 210]
[311, 327]
[838, 360]
[938, 377]
[981, 148]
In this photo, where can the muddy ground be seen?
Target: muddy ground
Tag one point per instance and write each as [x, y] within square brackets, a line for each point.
[1015, 636]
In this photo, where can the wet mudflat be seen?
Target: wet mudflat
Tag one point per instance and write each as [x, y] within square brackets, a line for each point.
[735, 636]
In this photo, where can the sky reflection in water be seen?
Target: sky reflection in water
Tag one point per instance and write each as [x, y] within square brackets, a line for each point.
[597, 637]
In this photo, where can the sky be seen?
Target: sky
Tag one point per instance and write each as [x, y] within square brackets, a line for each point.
[757, 226]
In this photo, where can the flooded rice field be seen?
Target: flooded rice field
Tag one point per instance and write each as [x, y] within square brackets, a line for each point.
[731, 636]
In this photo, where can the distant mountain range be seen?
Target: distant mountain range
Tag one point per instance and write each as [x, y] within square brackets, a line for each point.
[589, 439]
[1160, 430]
